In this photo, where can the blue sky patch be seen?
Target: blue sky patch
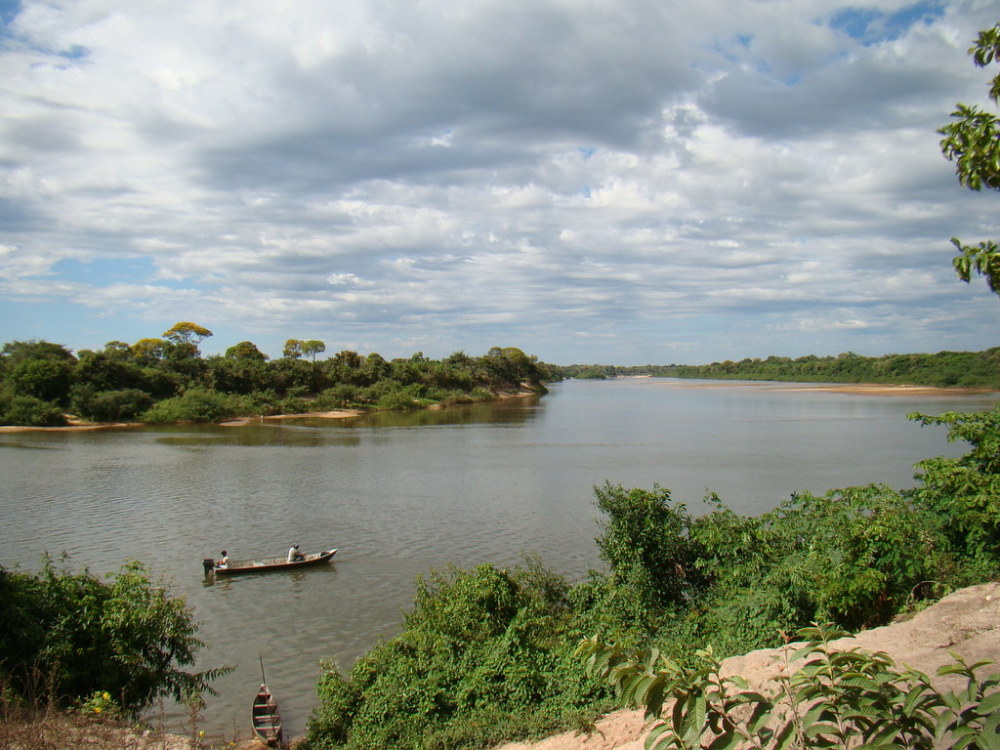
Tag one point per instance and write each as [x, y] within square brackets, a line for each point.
[871, 26]
[104, 271]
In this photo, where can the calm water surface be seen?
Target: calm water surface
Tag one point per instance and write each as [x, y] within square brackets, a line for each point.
[401, 495]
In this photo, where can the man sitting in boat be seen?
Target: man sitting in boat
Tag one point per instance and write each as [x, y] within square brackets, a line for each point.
[224, 561]
[294, 555]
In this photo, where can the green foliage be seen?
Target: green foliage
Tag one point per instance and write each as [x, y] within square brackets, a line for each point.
[110, 406]
[179, 385]
[246, 350]
[944, 369]
[127, 636]
[196, 405]
[29, 411]
[965, 492]
[650, 559]
[482, 654]
[972, 141]
[46, 379]
[836, 698]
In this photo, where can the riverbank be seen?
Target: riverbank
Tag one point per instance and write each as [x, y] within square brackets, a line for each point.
[861, 389]
[966, 623]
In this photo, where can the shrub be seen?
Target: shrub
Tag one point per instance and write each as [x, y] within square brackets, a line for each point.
[196, 405]
[28, 411]
[128, 637]
[478, 645]
[111, 406]
[836, 698]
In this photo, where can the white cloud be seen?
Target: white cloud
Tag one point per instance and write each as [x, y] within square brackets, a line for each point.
[513, 173]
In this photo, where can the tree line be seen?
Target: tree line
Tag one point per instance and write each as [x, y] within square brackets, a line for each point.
[944, 369]
[166, 379]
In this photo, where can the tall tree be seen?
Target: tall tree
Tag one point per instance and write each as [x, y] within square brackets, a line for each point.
[293, 348]
[186, 332]
[972, 141]
[313, 347]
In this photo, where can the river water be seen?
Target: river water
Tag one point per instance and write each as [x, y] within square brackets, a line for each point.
[403, 494]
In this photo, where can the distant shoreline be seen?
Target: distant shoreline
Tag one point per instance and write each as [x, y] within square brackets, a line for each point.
[862, 389]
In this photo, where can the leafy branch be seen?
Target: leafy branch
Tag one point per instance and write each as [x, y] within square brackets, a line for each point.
[835, 698]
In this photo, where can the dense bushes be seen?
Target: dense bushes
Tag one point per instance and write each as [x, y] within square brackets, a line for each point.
[482, 656]
[126, 636]
[485, 653]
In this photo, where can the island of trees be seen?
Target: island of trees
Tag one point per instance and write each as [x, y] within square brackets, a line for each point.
[159, 380]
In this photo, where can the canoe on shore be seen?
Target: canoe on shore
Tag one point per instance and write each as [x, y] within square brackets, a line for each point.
[236, 567]
[265, 721]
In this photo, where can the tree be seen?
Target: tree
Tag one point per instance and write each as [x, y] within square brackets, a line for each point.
[972, 141]
[149, 350]
[186, 332]
[313, 347]
[293, 349]
[246, 350]
[47, 379]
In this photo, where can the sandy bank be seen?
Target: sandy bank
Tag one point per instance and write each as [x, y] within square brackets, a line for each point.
[862, 389]
[335, 414]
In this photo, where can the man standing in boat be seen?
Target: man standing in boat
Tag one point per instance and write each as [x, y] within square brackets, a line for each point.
[294, 555]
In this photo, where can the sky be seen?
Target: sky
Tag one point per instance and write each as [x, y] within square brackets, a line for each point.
[626, 182]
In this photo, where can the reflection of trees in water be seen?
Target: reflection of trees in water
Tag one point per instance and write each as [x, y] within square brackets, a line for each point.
[519, 410]
[314, 431]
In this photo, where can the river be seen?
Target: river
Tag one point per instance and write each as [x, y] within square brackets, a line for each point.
[403, 494]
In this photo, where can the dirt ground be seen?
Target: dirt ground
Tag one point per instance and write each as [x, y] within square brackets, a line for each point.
[966, 622]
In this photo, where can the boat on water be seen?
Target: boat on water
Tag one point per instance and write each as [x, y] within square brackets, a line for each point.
[235, 567]
[265, 721]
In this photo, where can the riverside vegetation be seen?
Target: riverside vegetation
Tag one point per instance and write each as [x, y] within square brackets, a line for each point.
[941, 370]
[167, 380]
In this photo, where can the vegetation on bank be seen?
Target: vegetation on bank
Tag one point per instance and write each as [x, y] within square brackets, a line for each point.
[943, 370]
[167, 380]
[489, 654]
[108, 646]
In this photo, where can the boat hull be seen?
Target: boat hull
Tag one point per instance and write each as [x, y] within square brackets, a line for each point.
[264, 718]
[262, 566]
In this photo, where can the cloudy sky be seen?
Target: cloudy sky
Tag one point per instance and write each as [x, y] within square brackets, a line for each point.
[624, 181]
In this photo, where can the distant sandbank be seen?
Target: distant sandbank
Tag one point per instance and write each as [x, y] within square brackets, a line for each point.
[863, 389]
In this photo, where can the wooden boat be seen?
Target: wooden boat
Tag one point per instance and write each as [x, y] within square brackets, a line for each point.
[265, 721]
[236, 567]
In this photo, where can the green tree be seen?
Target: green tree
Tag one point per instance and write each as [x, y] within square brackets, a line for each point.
[149, 351]
[972, 141]
[186, 332]
[313, 347]
[293, 348]
[246, 350]
[46, 379]
[16, 352]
